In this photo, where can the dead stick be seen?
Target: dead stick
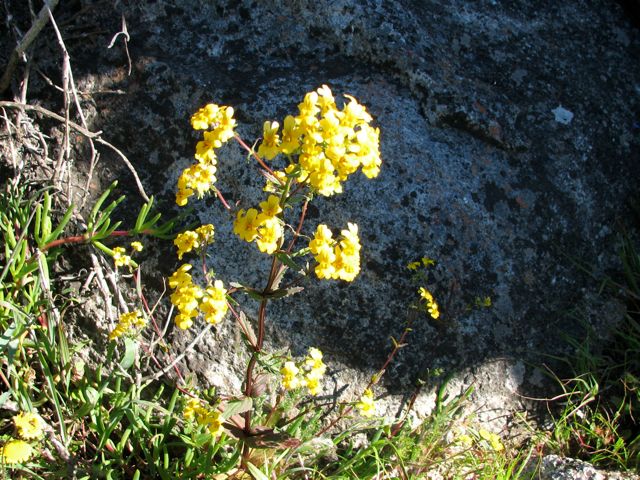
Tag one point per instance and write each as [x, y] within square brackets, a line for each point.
[26, 41]
[83, 131]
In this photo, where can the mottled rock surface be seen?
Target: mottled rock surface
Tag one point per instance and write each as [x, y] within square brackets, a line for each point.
[553, 467]
[510, 146]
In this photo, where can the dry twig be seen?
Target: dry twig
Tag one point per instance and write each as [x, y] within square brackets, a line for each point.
[26, 41]
[80, 129]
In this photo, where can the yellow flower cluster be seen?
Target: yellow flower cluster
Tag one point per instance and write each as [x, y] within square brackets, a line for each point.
[336, 259]
[30, 426]
[431, 305]
[331, 144]
[366, 405]
[189, 240]
[191, 300]
[199, 178]
[126, 323]
[307, 374]
[264, 227]
[423, 262]
[203, 416]
[120, 257]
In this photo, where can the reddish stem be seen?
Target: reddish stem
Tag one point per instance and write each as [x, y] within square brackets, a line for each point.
[254, 155]
[224, 202]
[86, 239]
[376, 378]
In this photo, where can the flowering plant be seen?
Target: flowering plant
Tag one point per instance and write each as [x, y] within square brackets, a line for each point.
[317, 151]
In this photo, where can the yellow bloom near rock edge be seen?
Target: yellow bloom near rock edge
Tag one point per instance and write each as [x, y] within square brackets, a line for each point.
[29, 425]
[16, 451]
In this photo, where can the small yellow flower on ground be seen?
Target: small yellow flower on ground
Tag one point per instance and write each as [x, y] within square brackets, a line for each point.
[119, 257]
[180, 277]
[128, 322]
[493, 439]
[289, 373]
[137, 246]
[203, 415]
[366, 405]
[16, 451]
[414, 266]
[30, 425]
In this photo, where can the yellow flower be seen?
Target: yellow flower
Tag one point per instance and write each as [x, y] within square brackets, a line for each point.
[137, 246]
[205, 148]
[313, 384]
[366, 405]
[119, 257]
[186, 242]
[269, 147]
[336, 261]
[322, 238]
[246, 224]
[414, 265]
[354, 113]
[494, 440]
[180, 277]
[269, 234]
[205, 116]
[212, 422]
[315, 370]
[325, 99]
[192, 405]
[126, 323]
[186, 299]
[203, 415]
[205, 233]
[16, 451]
[214, 303]
[431, 305]
[314, 363]
[428, 262]
[290, 135]
[289, 373]
[29, 425]
[184, 321]
[270, 207]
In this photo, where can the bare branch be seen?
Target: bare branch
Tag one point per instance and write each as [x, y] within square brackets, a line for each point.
[26, 41]
[87, 133]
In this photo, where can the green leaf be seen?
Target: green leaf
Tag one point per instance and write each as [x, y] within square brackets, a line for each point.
[4, 397]
[98, 205]
[284, 292]
[130, 352]
[234, 407]
[287, 259]
[255, 472]
[63, 223]
[142, 216]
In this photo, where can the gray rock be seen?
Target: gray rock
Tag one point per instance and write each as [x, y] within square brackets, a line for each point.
[553, 467]
[478, 173]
